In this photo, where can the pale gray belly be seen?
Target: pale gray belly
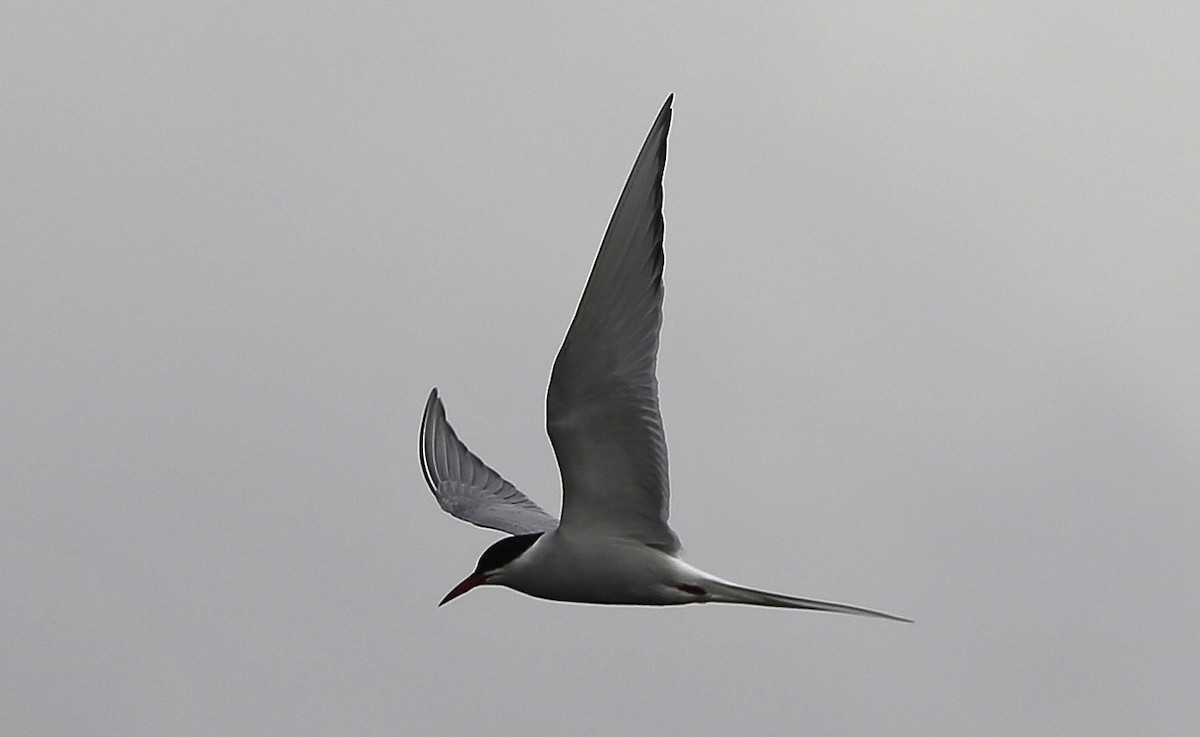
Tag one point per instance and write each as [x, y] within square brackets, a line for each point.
[601, 571]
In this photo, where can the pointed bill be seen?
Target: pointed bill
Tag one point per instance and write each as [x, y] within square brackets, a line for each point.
[468, 583]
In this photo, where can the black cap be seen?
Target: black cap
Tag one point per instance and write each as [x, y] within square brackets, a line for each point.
[503, 552]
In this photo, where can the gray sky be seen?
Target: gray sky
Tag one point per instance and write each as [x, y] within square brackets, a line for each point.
[931, 345]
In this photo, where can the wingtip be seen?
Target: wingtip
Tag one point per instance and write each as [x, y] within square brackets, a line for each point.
[430, 402]
[665, 113]
[662, 122]
[425, 441]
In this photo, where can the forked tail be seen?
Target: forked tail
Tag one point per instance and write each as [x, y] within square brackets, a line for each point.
[723, 591]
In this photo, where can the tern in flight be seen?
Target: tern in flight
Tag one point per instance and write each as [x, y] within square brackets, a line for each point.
[613, 544]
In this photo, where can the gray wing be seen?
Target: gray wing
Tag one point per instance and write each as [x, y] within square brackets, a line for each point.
[464, 485]
[602, 405]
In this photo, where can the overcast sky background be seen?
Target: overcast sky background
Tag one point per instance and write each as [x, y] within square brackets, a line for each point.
[931, 346]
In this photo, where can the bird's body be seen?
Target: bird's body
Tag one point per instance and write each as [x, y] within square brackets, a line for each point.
[599, 569]
[613, 544]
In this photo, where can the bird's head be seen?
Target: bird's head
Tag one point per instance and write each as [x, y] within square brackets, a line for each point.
[493, 563]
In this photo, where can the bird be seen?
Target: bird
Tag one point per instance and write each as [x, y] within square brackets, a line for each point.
[613, 544]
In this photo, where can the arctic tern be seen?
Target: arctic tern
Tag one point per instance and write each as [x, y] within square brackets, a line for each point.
[613, 544]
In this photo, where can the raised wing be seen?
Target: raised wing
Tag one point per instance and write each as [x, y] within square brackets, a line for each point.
[465, 486]
[602, 406]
